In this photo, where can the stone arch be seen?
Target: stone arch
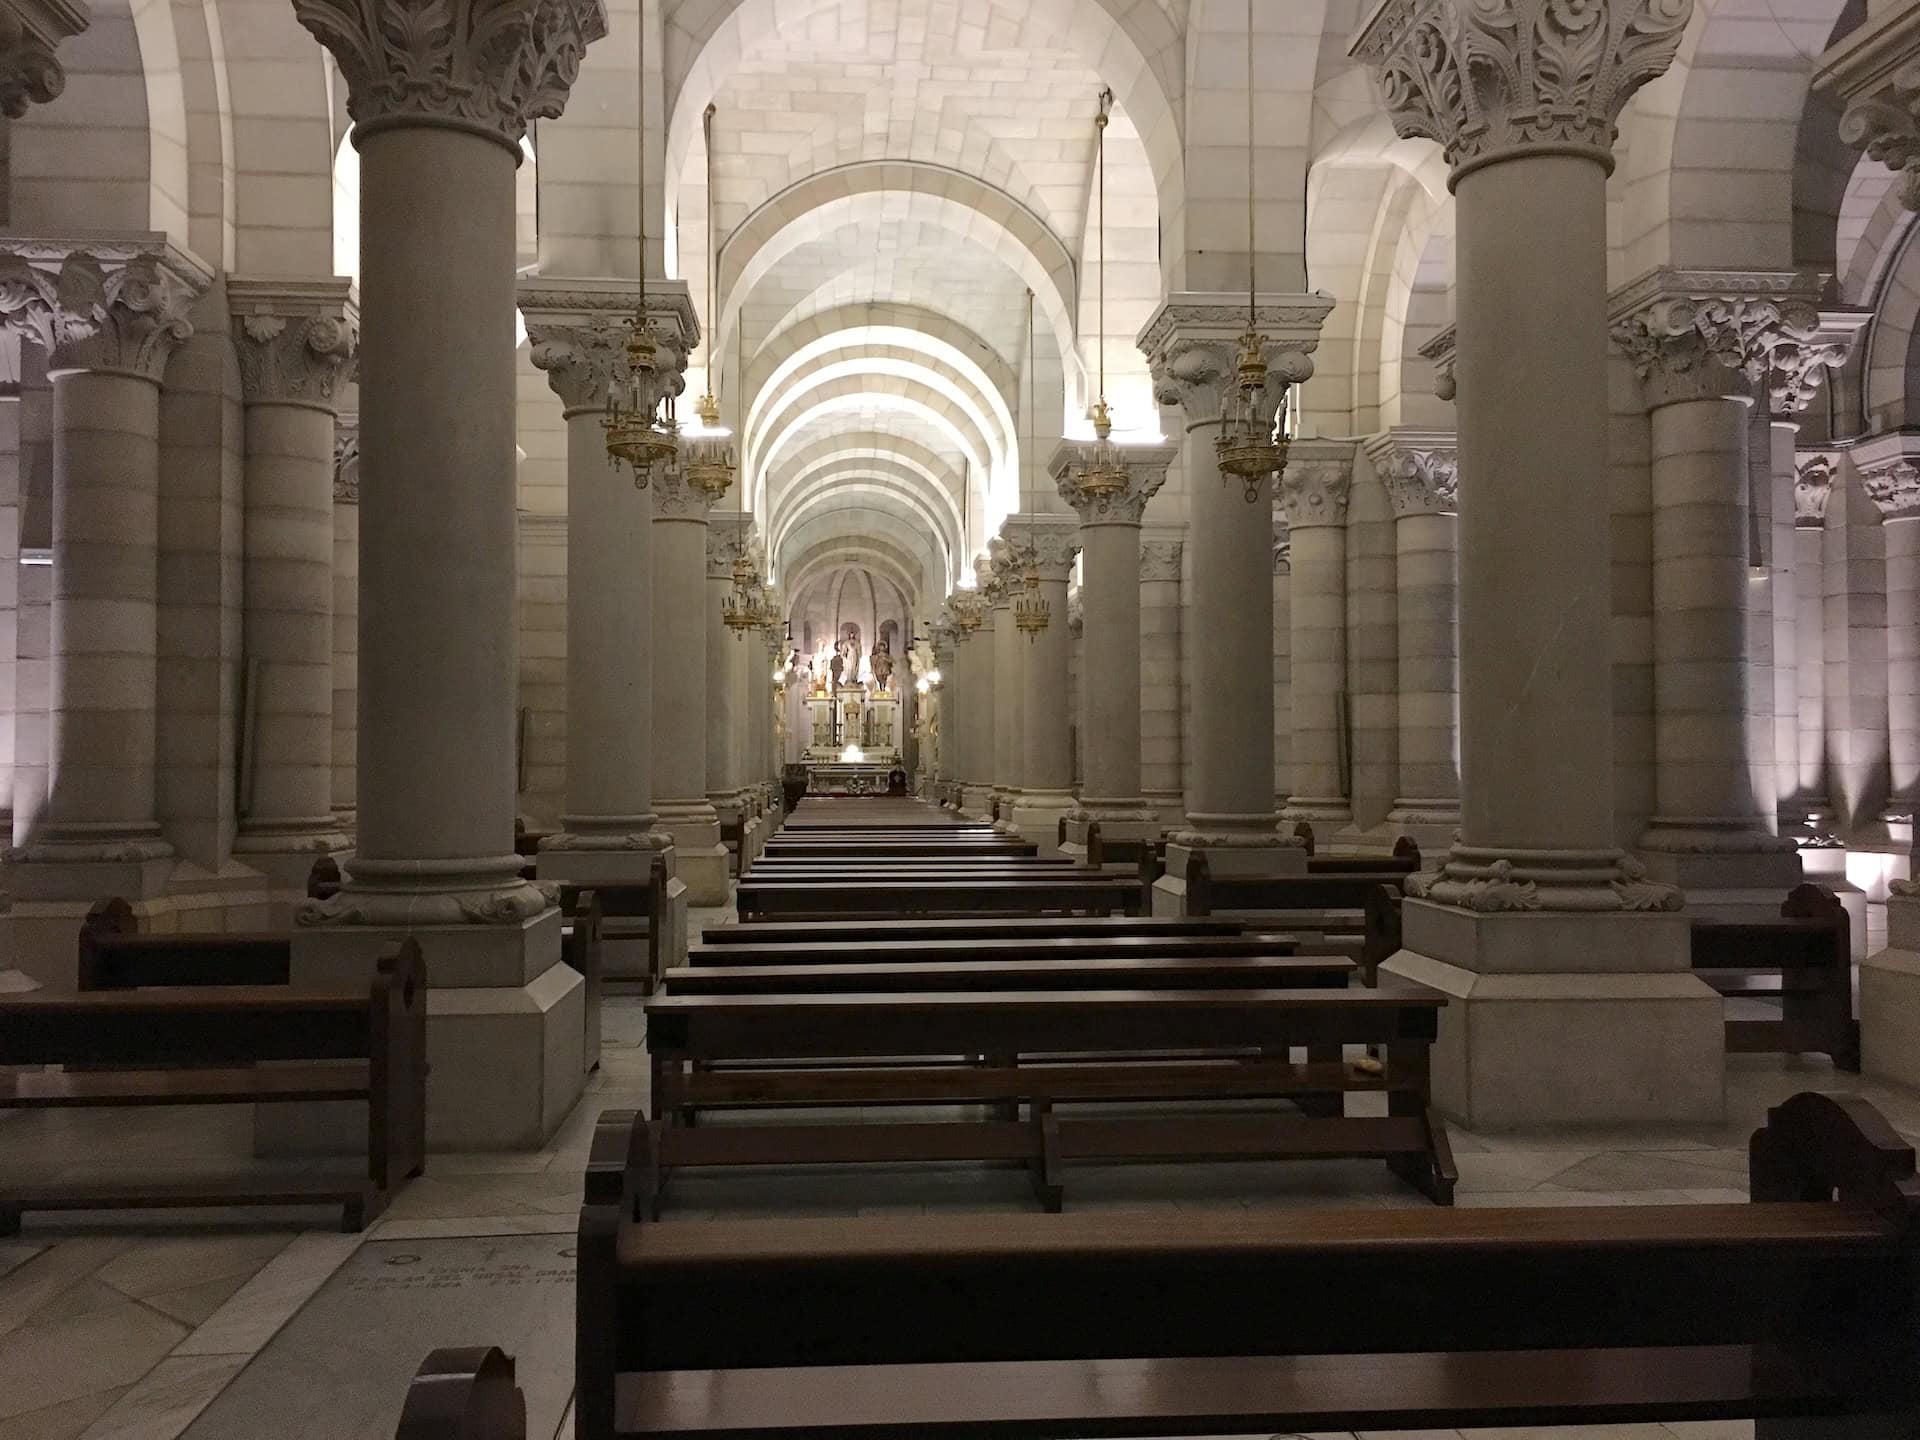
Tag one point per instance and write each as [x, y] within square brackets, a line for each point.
[884, 487]
[857, 398]
[911, 462]
[881, 558]
[1892, 382]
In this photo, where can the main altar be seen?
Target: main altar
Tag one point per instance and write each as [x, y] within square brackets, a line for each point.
[855, 720]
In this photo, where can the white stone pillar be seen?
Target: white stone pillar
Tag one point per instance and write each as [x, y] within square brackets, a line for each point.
[1889, 467]
[1421, 472]
[1569, 970]
[108, 314]
[681, 640]
[610, 832]
[1049, 544]
[1162, 718]
[1111, 591]
[1812, 485]
[1009, 681]
[1192, 344]
[977, 700]
[438, 664]
[296, 341]
[943, 735]
[1695, 344]
[346, 619]
[1315, 489]
[729, 536]
[1282, 659]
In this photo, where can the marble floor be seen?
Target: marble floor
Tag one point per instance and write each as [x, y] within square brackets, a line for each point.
[129, 1326]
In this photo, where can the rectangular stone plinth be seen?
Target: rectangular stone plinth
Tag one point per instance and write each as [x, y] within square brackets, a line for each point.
[1037, 818]
[1170, 890]
[505, 1034]
[1728, 887]
[1561, 1019]
[623, 942]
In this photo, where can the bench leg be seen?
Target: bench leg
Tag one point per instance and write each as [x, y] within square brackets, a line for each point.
[1044, 1168]
[1327, 1105]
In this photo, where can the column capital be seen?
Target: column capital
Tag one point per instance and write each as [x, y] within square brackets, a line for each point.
[1147, 467]
[1889, 469]
[1076, 610]
[483, 66]
[297, 339]
[1800, 365]
[102, 302]
[1316, 482]
[1193, 341]
[1160, 559]
[577, 334]
[1282, 543]
[1709, 334]
[1491, 80]
[30, 34]
[346, 460]
[1873, 73]
[1420, 469]
[730, 537]
[1442, 350]
[1046, 543]
[675, 498]
[1813, 472]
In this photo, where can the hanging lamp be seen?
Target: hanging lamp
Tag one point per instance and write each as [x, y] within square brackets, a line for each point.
[642, 432]
[1031, 612]
[710, 459]
[1101, 473]
[1252, 443]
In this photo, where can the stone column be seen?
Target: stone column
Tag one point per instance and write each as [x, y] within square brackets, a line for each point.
[1162, 721]
[943, 734]
[296, 341]
[1282, 659]
[977, 700]
[108, 314]
[1111, 585]
[1889, 467]
[1006, 564]
[729, 536]
[1421, 472]
[437, 649]
[1046, 744]
[610, 832]
[1544, 936]
[680, 643]
[346, 618]
[1812, 485]
[1314, 491]
[1192, 344]
[1693, 342]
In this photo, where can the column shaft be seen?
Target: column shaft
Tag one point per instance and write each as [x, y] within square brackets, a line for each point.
[1110, 664]
[1810, 626]
[346, 653]
[1427, 560]
[681, 639]
[982, 727]
[1009, 710]
[1317, 689]
[1047, 744]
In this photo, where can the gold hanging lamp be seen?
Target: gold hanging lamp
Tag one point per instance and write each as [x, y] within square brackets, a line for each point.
[1253, 441]
[1101, 473]
[642, 431]
[1031, 612]
[966, 604]
[710, 459]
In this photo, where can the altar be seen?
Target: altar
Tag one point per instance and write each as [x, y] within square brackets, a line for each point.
[853, 722]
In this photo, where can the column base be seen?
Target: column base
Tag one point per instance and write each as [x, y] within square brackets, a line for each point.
[1743, 877]
[1566, 1018]
[1890, 997]
[1324, 816]
[505, 1034]
[286, 858]
[1128, 820]
[623, 949]
[702, 859]
[1001, 808]
[1037, 815]
[1171, 806]
[976, 801]
[1169, 896]
[1433, 825]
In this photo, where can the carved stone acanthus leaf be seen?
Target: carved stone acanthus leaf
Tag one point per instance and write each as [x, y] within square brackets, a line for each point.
[1146, 472]
[1051, 553]
[1812, 487]
[294, 355]
[1885, 122]
[1569, 881]
[1420, 480]
[675, 499]
[1904, 889]
[1192, 343]
[1160, 559]
[1282, 546]
[1893, 486]
[1799, 367]
[583, 363]
[488, 66]
[1488, 77]
[100, 305]
[1693, 348]
[1316, 491]
[623, 841]
[730, 538]
[346, 465]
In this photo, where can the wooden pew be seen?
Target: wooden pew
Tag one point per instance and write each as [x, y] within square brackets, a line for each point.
[1803, 961]
[884, 951]
[988, 927]
[1306, 897]
[228, 1033]
[689, 1035]
[580, 950]
[114, 956]
[464, 1395]
[620, 906]
[1799, 1310]
[881, 899]
[1162, 972]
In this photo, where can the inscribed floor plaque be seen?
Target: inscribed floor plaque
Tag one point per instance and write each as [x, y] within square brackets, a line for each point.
[339, 1369]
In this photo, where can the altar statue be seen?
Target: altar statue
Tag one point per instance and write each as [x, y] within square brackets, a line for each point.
[882, 663]
[839, 667]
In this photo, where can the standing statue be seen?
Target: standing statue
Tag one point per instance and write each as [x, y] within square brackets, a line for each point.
[839, 666]
[882, 666]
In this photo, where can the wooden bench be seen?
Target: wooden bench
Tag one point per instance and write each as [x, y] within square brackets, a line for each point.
[1072, 890]
[883, 951]
[1802, 960]
[899, 976]
[580, 949]
[1798, 1310]
[464, 1395]
[114, 956]
[1326, 903]
[621, 904]
[1020, 1034]
[247, 1045]
[985, 927]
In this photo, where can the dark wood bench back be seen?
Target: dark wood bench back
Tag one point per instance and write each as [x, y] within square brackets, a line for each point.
[1097, 1287]
[464, 1395]
[1812, 931]
[1206, 894]
[323, 880]
[113, 956]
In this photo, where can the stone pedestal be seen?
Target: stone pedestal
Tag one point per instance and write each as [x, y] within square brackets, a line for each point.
[1890, 994]
[438, 669]
[296, 340]
[1570, 997]
[1192, 345]
[680, 643]
[1421, 472]
[610, 832]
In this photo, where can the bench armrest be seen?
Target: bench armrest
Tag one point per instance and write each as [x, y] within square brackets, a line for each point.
[464, 1395]
[1834, 1147]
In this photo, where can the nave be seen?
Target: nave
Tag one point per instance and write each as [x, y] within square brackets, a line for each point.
[241, 1323]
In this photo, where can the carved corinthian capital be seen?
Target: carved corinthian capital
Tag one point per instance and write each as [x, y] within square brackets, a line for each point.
[295, 338]
[1487, 78]
[1160, 559]
[1889, 470]
[1146, 472]
[30, 32]
[577, 333]
[1046, 544]
[346, 461]
[1420, 469]
[1315, 484]
[112, 304]
[1874, 73]
[675, 498]
[1812, 488]
[1695, 335]
[1192, 342]
[486, 66]
[729, 537]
